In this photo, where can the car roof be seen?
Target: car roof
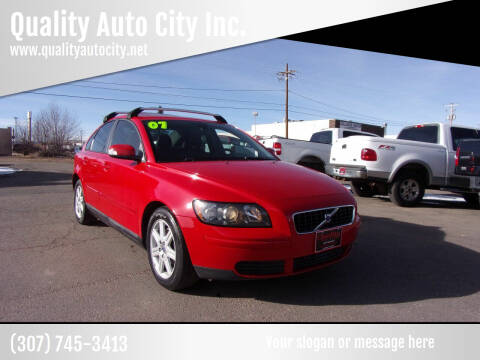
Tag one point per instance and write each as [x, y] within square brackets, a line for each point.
[162, 117]
[442, 124]
[160, 114]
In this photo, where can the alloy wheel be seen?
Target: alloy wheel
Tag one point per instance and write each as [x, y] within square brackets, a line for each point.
[162, 249]
[79, 202]
[409, 189]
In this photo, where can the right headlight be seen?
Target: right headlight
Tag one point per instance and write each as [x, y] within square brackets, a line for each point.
[231, 214]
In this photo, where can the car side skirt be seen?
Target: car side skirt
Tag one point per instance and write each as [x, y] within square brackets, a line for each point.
[112, 223]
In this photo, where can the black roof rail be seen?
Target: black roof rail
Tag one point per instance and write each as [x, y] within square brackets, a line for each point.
[161, 110]
[113, 114]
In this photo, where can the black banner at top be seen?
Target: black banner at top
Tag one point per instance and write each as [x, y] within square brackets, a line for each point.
[444, 32]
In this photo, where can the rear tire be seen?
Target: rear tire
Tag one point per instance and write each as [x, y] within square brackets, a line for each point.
[82, 214]
[362, 189]
[407, 190]
[167, 252]
[472, 200]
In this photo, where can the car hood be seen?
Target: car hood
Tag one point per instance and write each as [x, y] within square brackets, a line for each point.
[276, 182]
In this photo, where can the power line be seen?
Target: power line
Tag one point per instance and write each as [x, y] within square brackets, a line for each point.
[176, 87]
[199, 97]
[156, 102]
[336, 107]
[317, 112]
[361, 117]
[207, 98]
[177, 95]
[182, 104]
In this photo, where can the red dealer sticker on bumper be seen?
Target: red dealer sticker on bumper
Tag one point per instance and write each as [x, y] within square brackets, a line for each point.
[328, 239]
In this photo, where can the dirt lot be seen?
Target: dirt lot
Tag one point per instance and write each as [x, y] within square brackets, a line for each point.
[420, 264]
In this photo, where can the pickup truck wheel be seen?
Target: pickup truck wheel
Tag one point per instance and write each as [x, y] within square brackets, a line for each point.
[362, 189]
[407, 190]
[472, 200]
[167, 252]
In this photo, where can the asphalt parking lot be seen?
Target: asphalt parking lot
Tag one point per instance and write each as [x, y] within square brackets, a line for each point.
[418, 264]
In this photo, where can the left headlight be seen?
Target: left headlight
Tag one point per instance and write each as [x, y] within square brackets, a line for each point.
[231, 214]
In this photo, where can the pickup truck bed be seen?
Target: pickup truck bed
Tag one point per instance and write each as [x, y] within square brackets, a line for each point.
[314, 154]
[423, 157]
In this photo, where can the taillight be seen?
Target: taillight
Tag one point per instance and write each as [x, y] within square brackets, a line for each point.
[278, 148]
[369, 155]
[457, 156]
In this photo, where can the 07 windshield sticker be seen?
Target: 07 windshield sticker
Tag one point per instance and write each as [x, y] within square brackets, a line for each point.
[156, 124]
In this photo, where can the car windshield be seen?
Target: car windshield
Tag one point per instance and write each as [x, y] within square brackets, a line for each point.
[184, 140]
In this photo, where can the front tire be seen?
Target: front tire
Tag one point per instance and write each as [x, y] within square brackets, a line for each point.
[407, 190]
[167, 252]
[80, 210]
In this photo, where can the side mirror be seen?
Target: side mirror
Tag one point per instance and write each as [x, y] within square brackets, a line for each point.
[123, 151]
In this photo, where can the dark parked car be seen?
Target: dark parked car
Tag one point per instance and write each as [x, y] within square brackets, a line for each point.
[467, 162]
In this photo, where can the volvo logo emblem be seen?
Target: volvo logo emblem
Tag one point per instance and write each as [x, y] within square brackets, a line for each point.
[327, 219]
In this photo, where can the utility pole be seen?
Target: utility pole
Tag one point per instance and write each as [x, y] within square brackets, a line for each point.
[451, 112]
[29, 120]
[285, 75]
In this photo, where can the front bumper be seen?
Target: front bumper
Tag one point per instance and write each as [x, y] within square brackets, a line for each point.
[232, 253]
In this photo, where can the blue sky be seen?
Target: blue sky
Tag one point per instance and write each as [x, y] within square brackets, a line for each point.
[344, 84]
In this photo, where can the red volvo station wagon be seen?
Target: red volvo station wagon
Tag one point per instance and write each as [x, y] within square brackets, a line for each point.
[207, 200]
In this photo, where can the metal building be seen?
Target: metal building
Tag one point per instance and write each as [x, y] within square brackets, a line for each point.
[6, 141]
[303, 129]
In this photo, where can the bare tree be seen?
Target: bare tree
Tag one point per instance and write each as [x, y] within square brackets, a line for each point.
[21, 135]
[54, 127]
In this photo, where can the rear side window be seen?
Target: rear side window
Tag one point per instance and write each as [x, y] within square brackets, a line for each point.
[101, 137]
[428, 134]
[126, 133]
[323, 137]
[459, 134]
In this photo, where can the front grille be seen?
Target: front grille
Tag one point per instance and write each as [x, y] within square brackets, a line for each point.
[307, 221]
[309, 261]
[260, 267]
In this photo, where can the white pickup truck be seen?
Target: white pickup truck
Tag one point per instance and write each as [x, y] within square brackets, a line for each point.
[315, 153]
[422, 156]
